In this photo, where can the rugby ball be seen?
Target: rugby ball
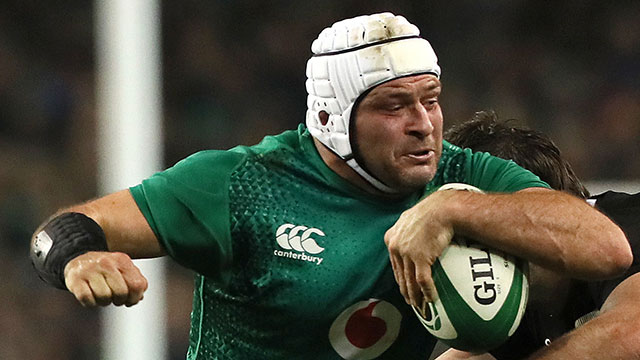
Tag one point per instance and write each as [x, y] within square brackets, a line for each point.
[482, 294]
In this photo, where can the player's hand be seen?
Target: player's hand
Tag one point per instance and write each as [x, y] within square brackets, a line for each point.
[415, 242]
[103, 278]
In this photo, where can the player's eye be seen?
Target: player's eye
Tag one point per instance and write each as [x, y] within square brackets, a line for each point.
[430, 103]
[391, 106]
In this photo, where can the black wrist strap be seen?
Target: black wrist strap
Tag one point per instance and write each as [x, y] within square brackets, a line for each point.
[63, 238]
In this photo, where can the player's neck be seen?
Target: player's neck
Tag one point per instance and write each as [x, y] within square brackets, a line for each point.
[340, 167]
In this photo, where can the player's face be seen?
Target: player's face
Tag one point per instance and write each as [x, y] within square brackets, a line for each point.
[398, 131]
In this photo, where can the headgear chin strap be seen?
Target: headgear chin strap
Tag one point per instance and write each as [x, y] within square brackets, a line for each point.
[351, 57]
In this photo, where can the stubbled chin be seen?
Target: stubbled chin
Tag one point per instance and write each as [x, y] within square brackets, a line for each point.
[416, 178]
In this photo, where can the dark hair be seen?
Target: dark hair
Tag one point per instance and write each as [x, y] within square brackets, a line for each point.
[528, 148]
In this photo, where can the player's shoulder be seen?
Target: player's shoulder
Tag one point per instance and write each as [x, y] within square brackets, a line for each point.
[614, 200]
[624, 210]
[288, 140]
[207, 158]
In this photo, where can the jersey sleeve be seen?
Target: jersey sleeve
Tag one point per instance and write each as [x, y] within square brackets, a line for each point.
[494, 174]
[187, 207]
[624, 210]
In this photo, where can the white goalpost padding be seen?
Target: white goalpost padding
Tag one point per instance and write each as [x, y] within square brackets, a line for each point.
[130, 149]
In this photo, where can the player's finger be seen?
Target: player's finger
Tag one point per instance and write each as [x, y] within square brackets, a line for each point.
[119, 288]
[413, 290]
[399, 272]
[131, 303]
[425, 281]
[100, 289]
[394, 267]
[135, 296]
[83, 293]
[137, 284]
[389, 235]
[423, 308]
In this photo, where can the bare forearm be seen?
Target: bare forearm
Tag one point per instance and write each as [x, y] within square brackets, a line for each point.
[614, 334]
[87, 249]
[550, 228]
[126, 230]
[599, 341]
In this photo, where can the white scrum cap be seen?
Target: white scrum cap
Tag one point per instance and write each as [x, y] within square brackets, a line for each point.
[351, 57]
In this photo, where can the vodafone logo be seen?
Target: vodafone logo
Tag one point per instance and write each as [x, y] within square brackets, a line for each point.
[298, 238]
[365, 329]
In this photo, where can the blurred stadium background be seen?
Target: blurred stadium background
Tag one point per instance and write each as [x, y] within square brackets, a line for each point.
[233, 71]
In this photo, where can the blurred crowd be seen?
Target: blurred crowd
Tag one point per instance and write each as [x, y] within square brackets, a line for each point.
[233, 71]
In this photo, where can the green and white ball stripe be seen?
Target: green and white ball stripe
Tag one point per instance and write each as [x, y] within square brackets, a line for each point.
[482, 294]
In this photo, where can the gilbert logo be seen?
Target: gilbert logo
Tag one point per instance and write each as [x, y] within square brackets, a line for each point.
[482, 268]
[298, 240]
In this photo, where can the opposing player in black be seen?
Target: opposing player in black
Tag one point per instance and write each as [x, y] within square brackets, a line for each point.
[565, 318]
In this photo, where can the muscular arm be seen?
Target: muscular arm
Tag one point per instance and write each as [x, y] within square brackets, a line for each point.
[124, 226]
[614, 334]
[103, 278]
[550, 228]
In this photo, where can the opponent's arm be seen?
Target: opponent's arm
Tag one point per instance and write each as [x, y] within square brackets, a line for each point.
[614, 334]
[549, 228]
[92, 248]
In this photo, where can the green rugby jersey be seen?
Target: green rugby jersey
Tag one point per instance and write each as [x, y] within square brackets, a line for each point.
[290, 257]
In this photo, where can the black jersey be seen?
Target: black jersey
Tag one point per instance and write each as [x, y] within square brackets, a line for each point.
[538, 327]
[624, 210]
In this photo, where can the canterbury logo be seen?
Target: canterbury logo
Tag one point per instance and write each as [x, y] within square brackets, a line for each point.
[298, 238]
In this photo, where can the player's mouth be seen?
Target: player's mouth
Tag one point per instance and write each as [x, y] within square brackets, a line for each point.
[421, 156]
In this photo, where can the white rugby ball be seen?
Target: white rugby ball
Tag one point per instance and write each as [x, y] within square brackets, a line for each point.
[482, 294]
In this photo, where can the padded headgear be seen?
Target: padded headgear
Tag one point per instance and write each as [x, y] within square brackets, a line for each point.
[350, 58]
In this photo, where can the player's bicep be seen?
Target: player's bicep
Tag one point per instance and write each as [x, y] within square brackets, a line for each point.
[124, 225]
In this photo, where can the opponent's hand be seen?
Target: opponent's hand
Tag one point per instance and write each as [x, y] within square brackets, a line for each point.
[103, 278]
[414, 243]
